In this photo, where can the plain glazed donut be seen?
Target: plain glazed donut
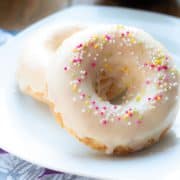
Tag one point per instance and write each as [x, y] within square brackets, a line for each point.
[119, 88]
[38, 52]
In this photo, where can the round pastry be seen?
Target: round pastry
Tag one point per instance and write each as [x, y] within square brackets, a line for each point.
[119, 88]
[37, 53]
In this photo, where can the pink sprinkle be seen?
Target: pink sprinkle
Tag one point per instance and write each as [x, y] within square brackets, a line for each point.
[145, 64]
[104, 107]
[77, 60]
[83, 95]
[130, 114]
[101, 113]
[96, 107]
[126, 112]
[130, 109]
[166, 57]
[152, 65]
[138, 122]
[159, 68]
[147, 82]
[79, 46]
[165, 67]
[93, 102]
[118, 118]
[115, 107]
[93, 64]
[74, 60]
[122, 34]
[85, 73]
[127, 32]
[166, 78]
[65, 68]
[108, 37]
[149, 98]
[104, 122]
[79, 80]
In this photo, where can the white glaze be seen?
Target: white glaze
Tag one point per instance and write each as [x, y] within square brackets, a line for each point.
[77, 116]
[38, 52]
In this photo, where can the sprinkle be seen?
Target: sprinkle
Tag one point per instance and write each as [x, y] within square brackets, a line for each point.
[65, 68]
[138, 98]
[83, 110]
[158, 97]
[138, 121]
[74, 87]
[93, 64]
[104, 107]
[96, 46]
[125, 117]
[93, 102]
[104, 122]
[107, 37]
[148, 81]
[129, 123]
[74, 99]
[79, 46]
[96, 107]
[115, 107]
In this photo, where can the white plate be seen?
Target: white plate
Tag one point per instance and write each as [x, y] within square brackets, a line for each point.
[28, 130]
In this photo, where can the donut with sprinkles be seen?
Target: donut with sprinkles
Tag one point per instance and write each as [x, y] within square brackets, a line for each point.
[115, 88]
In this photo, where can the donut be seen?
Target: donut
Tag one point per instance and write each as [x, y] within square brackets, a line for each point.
[119, 88]
[38, 51]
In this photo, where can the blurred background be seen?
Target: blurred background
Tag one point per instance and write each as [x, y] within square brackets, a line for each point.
[18, 14]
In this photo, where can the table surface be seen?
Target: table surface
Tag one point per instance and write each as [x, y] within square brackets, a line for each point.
[18, 14]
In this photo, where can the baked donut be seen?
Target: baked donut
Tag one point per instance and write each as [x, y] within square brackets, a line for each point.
[114, 88]
[38, 51]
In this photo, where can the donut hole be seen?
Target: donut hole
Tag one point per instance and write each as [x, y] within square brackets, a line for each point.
[120, 81]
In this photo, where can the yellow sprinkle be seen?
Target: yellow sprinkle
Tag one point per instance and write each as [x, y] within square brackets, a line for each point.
[87, 103]
[132, 40]
[95, 38]
[107, 67]
[96, 46]
[125, 117]
[125, 69]
[159, 60]
[138, 98]
[119, 26]
[158, 98]
[74, 87]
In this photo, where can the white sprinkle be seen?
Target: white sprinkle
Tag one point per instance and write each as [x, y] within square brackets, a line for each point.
[129, 123]
[95, 113]
[79, 90]
[166, 98]
[74, 99]
[83, 110]
[90, 106]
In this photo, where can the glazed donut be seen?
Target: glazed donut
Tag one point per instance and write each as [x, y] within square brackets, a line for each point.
[119, 88]
[39, 49]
